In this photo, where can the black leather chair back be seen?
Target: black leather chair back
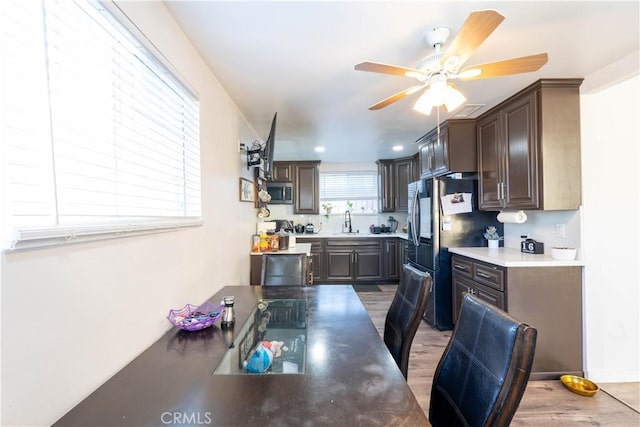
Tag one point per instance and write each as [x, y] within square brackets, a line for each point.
[405, 314]
[484, 370]
[283, 269]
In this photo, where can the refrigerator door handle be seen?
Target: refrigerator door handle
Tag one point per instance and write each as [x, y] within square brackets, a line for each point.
[415, 212]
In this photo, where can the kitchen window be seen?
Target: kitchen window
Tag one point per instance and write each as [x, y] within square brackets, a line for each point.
[100, 138]
[355, 190]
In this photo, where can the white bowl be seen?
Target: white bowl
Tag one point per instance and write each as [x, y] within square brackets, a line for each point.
[563, 253]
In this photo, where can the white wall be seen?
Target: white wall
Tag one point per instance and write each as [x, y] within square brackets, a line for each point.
[73, 316]
[611, 210]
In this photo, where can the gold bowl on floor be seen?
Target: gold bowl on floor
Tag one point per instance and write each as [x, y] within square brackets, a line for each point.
[579, 385]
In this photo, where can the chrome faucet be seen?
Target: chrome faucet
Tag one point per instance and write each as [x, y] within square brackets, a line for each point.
[347, 221]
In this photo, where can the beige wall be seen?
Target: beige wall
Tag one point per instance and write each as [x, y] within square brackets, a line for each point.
[75, 315]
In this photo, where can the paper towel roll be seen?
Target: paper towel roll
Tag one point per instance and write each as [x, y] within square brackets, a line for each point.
[518, 217]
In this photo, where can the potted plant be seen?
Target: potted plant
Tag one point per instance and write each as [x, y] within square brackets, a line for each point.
[349, 206]
[492, 236]
[327, 209]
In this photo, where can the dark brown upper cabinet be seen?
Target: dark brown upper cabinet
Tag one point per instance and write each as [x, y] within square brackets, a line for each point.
[282, 172]
[306, 186]
[529, 149]
[452, 148]
[305, 176]
[394, 176]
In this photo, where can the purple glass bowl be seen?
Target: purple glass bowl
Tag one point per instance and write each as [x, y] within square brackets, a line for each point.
[193, 317]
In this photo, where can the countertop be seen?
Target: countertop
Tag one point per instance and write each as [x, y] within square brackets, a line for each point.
[361, 235]
[508, 257]
[350, 377]
[299, 248]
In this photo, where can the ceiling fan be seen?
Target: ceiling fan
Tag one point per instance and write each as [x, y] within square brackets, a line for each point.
[434, 71]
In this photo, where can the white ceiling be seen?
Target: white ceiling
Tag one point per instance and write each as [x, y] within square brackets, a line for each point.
[297, 58]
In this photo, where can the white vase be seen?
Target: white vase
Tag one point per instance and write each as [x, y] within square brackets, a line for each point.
[493, 244]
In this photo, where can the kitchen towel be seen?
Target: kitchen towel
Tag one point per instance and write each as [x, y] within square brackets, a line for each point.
[518, 217]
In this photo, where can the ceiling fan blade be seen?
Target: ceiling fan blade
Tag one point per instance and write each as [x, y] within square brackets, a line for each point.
[478, 26]
[525, 64]
[376, 67]
[396, 97]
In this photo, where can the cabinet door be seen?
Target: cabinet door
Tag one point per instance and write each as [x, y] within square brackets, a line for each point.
[520, 154]
[282, 171]
[424, 154]
[440, 151]
[460, 287]
[403, 175]
[307, 181]
[386, 186]
[392, 258]
[340, 264]
[368, 264]
[489, 295]
[489, 182]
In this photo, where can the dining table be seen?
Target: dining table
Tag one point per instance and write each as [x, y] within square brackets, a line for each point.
[328, 367]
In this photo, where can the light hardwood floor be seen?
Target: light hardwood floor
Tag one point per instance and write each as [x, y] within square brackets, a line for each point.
[545, 403]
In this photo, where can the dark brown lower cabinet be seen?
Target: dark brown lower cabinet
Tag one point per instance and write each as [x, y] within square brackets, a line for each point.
[355, 260]
[547, 298]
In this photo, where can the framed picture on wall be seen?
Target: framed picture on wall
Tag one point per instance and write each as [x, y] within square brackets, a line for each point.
[246, 190]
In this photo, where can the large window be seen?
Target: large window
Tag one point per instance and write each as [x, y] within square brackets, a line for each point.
[99, 137]
[354, 190]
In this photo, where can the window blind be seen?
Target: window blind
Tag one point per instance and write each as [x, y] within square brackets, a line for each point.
[356, 185]
[98, 131]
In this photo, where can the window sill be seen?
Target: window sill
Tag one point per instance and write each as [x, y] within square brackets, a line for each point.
[59, 236]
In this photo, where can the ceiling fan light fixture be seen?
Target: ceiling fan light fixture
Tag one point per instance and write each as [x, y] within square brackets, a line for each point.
[439, 93]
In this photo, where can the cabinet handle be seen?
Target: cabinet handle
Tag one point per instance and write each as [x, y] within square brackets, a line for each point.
[502, 186]
[486, 276]
[459, 267]
[498, 189]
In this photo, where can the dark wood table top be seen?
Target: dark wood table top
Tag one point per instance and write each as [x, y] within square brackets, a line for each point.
[350, 378]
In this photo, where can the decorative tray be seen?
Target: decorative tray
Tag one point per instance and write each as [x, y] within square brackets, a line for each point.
[193, 317]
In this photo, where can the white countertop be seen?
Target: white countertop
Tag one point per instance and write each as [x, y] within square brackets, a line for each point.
[508, 257]
[300, 248]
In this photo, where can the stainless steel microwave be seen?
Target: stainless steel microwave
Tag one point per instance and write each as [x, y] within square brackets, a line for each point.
[281, 193]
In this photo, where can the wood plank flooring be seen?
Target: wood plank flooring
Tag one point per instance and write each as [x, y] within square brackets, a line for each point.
[545, 403]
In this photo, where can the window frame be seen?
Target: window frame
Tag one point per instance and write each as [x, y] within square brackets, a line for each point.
[22, 238]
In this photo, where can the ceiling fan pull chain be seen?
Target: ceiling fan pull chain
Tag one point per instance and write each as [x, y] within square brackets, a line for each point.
[438, 121]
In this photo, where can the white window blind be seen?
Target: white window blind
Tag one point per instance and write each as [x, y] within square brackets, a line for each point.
[99, 137]
[356, 185]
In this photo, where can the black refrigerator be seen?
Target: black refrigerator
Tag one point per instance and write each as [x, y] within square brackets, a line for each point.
[431, 234]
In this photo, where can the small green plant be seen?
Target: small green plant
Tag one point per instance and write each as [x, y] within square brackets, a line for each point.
[492, 234]
[327, 209]
[349, 205]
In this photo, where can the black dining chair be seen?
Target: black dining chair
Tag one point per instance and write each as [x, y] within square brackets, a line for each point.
[283, 269]
[405, 314]
[484, 370]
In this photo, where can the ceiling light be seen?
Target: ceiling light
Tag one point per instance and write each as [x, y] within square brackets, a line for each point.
[397, 148]
[319, 149]
[439, 93]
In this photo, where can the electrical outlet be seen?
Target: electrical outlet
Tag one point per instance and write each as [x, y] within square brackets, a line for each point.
[560, 231]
